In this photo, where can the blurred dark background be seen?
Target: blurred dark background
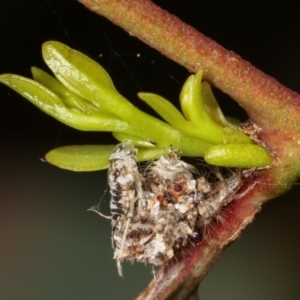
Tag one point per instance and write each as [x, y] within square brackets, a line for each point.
[50, 246]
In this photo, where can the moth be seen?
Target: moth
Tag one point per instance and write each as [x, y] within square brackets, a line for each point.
[158, 212]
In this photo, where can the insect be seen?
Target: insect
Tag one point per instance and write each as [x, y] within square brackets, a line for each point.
[125, 185]
[158, 212]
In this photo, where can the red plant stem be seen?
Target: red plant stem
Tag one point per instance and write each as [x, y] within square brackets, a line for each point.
[273, 107]
[256, 92]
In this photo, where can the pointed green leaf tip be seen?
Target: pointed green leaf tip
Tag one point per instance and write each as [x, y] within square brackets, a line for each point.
[82, 95]
[89, 158]
[81, 158]
[239, 155]
[83, 76]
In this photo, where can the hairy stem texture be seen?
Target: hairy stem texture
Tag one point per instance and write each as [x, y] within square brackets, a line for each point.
[272, 107]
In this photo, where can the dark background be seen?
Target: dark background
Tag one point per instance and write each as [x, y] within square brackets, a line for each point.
[50, 246]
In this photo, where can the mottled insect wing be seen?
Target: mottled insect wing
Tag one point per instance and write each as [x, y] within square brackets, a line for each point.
[158, 213]
[125, 184]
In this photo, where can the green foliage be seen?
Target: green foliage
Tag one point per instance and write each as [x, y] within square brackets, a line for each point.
[82, 95]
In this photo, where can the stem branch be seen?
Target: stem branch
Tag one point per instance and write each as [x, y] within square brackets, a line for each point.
[274, 109]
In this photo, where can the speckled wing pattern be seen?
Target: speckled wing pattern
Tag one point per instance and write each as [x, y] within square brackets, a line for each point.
[157, 212]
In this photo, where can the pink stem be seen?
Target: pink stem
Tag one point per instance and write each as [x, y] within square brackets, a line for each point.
[258, 93]
[273, 107]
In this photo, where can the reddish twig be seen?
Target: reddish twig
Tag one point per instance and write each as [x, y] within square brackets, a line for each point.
[273, 107]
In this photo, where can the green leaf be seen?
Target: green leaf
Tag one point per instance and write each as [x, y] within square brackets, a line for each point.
[164, 108]
[81, 158]
[88, 158]
[171, 114]
[146, 154]
[193, 109]
[235, 136]
[211, 105]
[70, 99]
[85, 78]
[36, 93]
[238, 156]
[51, 104]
